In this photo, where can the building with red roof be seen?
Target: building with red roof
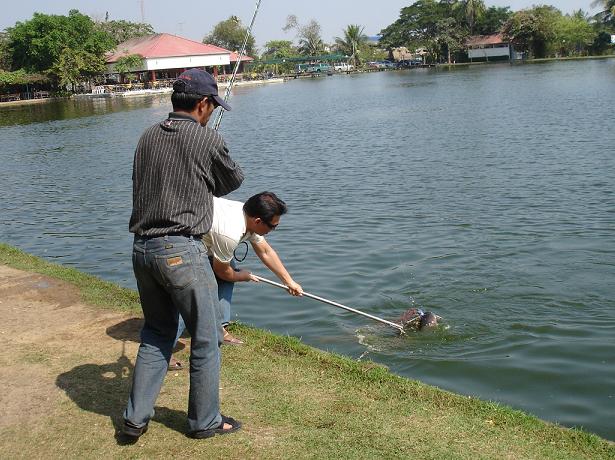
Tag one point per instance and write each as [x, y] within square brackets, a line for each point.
[489, 48]
[165, 56]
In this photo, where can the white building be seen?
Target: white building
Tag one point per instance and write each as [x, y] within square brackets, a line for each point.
[489, 48]
[165, 56]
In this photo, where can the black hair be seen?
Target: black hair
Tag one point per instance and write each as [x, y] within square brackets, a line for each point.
[185, 101]
[265, 205]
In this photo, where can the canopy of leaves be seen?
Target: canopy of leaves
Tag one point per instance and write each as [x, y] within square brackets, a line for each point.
[471, 12]
[449, 38]
[230, 34]
[74, 65]
[573, 34]
[279, 49]
[122, 31]
[492, 20]
[417, 24]
[532, 30]
[21, 77]
[38, 44]
[129, 63]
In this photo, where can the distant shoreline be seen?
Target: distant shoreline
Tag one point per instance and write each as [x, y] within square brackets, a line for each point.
[137, 93]
[529, 61]
[276, 80]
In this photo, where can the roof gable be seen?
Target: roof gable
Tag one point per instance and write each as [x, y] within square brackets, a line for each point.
[494, 39]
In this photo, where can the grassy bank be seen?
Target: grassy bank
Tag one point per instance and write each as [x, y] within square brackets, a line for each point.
[295, 401]
[94, 291]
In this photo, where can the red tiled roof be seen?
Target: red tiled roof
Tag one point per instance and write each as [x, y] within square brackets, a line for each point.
[163, 45]
[235, 55]
[494, 39]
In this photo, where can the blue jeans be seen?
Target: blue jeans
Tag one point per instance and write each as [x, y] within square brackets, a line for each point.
[225, 296]
[174, 279]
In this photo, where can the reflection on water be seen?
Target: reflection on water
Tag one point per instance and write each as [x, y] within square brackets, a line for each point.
[69, 109]
[483, 194]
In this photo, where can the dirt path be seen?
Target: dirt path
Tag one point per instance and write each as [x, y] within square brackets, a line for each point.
[45, 333]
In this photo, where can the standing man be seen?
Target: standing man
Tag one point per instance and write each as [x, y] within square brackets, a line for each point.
[179, 165]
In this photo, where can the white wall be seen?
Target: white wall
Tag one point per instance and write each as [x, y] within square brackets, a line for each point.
[187, 61]
[485, 53]
[180, 62]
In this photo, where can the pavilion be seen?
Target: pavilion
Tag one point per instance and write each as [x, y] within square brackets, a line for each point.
[489, 48]
[165, 56]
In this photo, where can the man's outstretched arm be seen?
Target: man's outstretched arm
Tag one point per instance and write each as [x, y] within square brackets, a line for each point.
[272, 261]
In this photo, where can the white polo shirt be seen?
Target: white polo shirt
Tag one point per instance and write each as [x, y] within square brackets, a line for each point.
[228, 230]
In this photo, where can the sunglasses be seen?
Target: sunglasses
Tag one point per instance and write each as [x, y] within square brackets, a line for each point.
[270, 225]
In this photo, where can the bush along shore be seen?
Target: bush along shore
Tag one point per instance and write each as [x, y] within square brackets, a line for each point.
[70, 341]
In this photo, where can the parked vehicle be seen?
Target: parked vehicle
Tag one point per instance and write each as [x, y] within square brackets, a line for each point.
[313, 68]
[343, 67]
[409, 63]
[382, 65]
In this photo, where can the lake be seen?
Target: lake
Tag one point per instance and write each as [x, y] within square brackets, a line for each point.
[484, 194]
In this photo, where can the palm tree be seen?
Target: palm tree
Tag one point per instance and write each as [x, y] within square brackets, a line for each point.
[472, 10]
[608, 9]
[354, 39]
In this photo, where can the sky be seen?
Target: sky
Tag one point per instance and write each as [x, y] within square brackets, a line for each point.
[194, 19]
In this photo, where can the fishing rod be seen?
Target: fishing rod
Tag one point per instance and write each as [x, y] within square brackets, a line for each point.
[399, 327]
[227, 92]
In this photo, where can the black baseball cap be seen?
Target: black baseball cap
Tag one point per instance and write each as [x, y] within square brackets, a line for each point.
[197, 81]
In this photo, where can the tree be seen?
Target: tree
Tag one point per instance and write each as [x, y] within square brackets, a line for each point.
[37, 44]
[21, 77]
[128, 63]
[230, 34]
[73, 66]
[279, 51]
[520, 29]
[353, 43]
[607, 13]
[310, 42]
[492, 20]
[416, 25]
[122, 31]
[449, 37]
[573, 34]
[473, 11]
[5, 57]
[533, 30]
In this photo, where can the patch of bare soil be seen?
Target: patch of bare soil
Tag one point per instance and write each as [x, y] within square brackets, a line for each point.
[46, 332]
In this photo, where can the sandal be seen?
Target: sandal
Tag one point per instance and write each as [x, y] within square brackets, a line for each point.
[202, 434]
[175, 365]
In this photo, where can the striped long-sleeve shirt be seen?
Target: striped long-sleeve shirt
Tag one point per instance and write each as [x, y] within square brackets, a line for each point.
[178, 166]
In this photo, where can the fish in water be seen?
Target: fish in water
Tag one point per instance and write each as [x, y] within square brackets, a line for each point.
[418, 319]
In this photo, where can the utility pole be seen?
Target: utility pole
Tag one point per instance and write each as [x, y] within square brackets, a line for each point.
[142, 2]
